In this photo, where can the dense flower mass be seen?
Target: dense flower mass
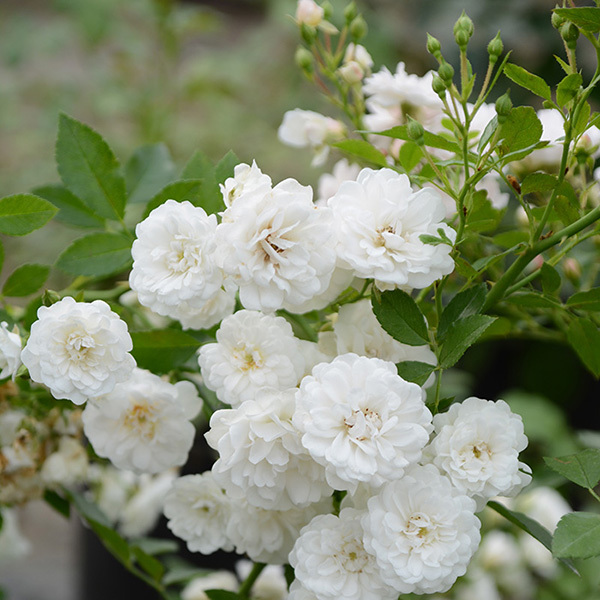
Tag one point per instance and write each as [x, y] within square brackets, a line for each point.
[380, 221]
[361, 421]
[422, 531]
[79, 350]
[144, 424]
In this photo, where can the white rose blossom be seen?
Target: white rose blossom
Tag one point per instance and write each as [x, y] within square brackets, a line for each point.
[277, 247]
[261, 457]
[144, 424]
[308, 12]
[330, 560]
[271, 583]
[218, 580]
[329, 183]
[361, 421]
[477, 445]
[174, 272]
[252, 351]
[379, 221]
[79, 350]
[10, 351]
[246, 181]
[307, 128]
[67, 465]
[422, 531]
[198, 512]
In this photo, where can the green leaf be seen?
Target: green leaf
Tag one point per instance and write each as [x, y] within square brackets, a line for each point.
[533, 300]
[221, 595]
[464, 304]
[199, 166]
[400, 316]
[564, 66]
[58, 503]
[96, 255]
[88, 510]
[182, 573]
[586, 18]
[184, 189]
[364, 150]
[155, 546]
[550, 279]
[538, 182]
[577, 535]
[88, 167]
[567, 204]
[1, 255]
[568, 88]
[481, 215]
[508, 239]
[521, 130]
[148, 171]
[23, 213]
[112, 541]
[25, 280]
[588, 300]
[582, 468]
[225, 167]
[151, 565]
[460, 336]
[527, 524]
[487, 134]
[160, 351]
[528, 80]
[410, 155]
[400, 132]
[584, 337]
[71, 210]
[415, 371]
[582, 123]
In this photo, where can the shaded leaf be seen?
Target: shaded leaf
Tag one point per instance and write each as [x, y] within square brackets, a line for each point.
[538, 182]
[586, 18]
[568, 88]
[464, 304]
[584, 337]
[414, 371]
[588, 300]
[151, 565]
[533, 300]
[89, 169]
[225, 167]
[527, 524]
[221, 595]
[58, 503]
[577, 535]
[23, 213]
[550, 279]
[400, 316]
[460, 336]
[364, 150]
[148, 170]
[162, 350]
[25, 280]
[96, 254]
[71, 210]
[582, 468]
[1, 255]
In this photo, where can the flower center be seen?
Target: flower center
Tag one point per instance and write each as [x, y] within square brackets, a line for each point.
[78, 345]
[183, 255]
[352, 557]
[363, 424]
[248, 358]
[383, 234]
[420, 529]
[140, 419]
[480, 451]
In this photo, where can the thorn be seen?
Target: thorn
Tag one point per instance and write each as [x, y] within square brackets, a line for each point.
[514, 183]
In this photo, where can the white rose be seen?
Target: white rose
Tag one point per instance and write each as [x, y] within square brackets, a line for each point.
[67, 465]
[79, 350]
[10, 351]
[309, 13]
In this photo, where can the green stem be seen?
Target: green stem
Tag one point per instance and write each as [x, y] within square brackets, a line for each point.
[246, 587]
[593, 493]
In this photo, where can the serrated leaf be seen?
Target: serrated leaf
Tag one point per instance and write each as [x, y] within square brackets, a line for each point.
[400, 132]
[568, 88]
[528, 80]
[577, 535]
[586, 18]
[521, 129]
[149, 169]
[550, 279]
[89, 168]
[481, 215]
[581, 124]
[71, 210]
[225, 167]
[162, 350]
[564, 66]
[400, 316]
[410, 154]
[582, 468]
[25, 280]
[487, 134]
[464, 304]
[364, 150]
[23, 213]
[588, 300]
[584, 337]
[58, 503]
[96, 254]
[538, 182]
[460, 336]
[415, 371]
[184, 189]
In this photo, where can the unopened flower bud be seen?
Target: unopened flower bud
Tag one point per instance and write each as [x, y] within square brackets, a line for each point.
[434, 47]
[305, 60]
[557, 20]
[327, 10]
[351, 72]
[462, 38]
[50, 297]
[415, 132]
[350, 13]
[570, 33]
[446, 73]
[572, 269]
[357, 53]
[358, 28]
[503, 107]
[465, 24]
[495, 48]
[308, 12]
[438, 85]
[308, 33]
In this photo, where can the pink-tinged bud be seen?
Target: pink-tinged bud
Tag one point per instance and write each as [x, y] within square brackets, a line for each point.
[572, 269]
[351, 72]
[309, 13]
